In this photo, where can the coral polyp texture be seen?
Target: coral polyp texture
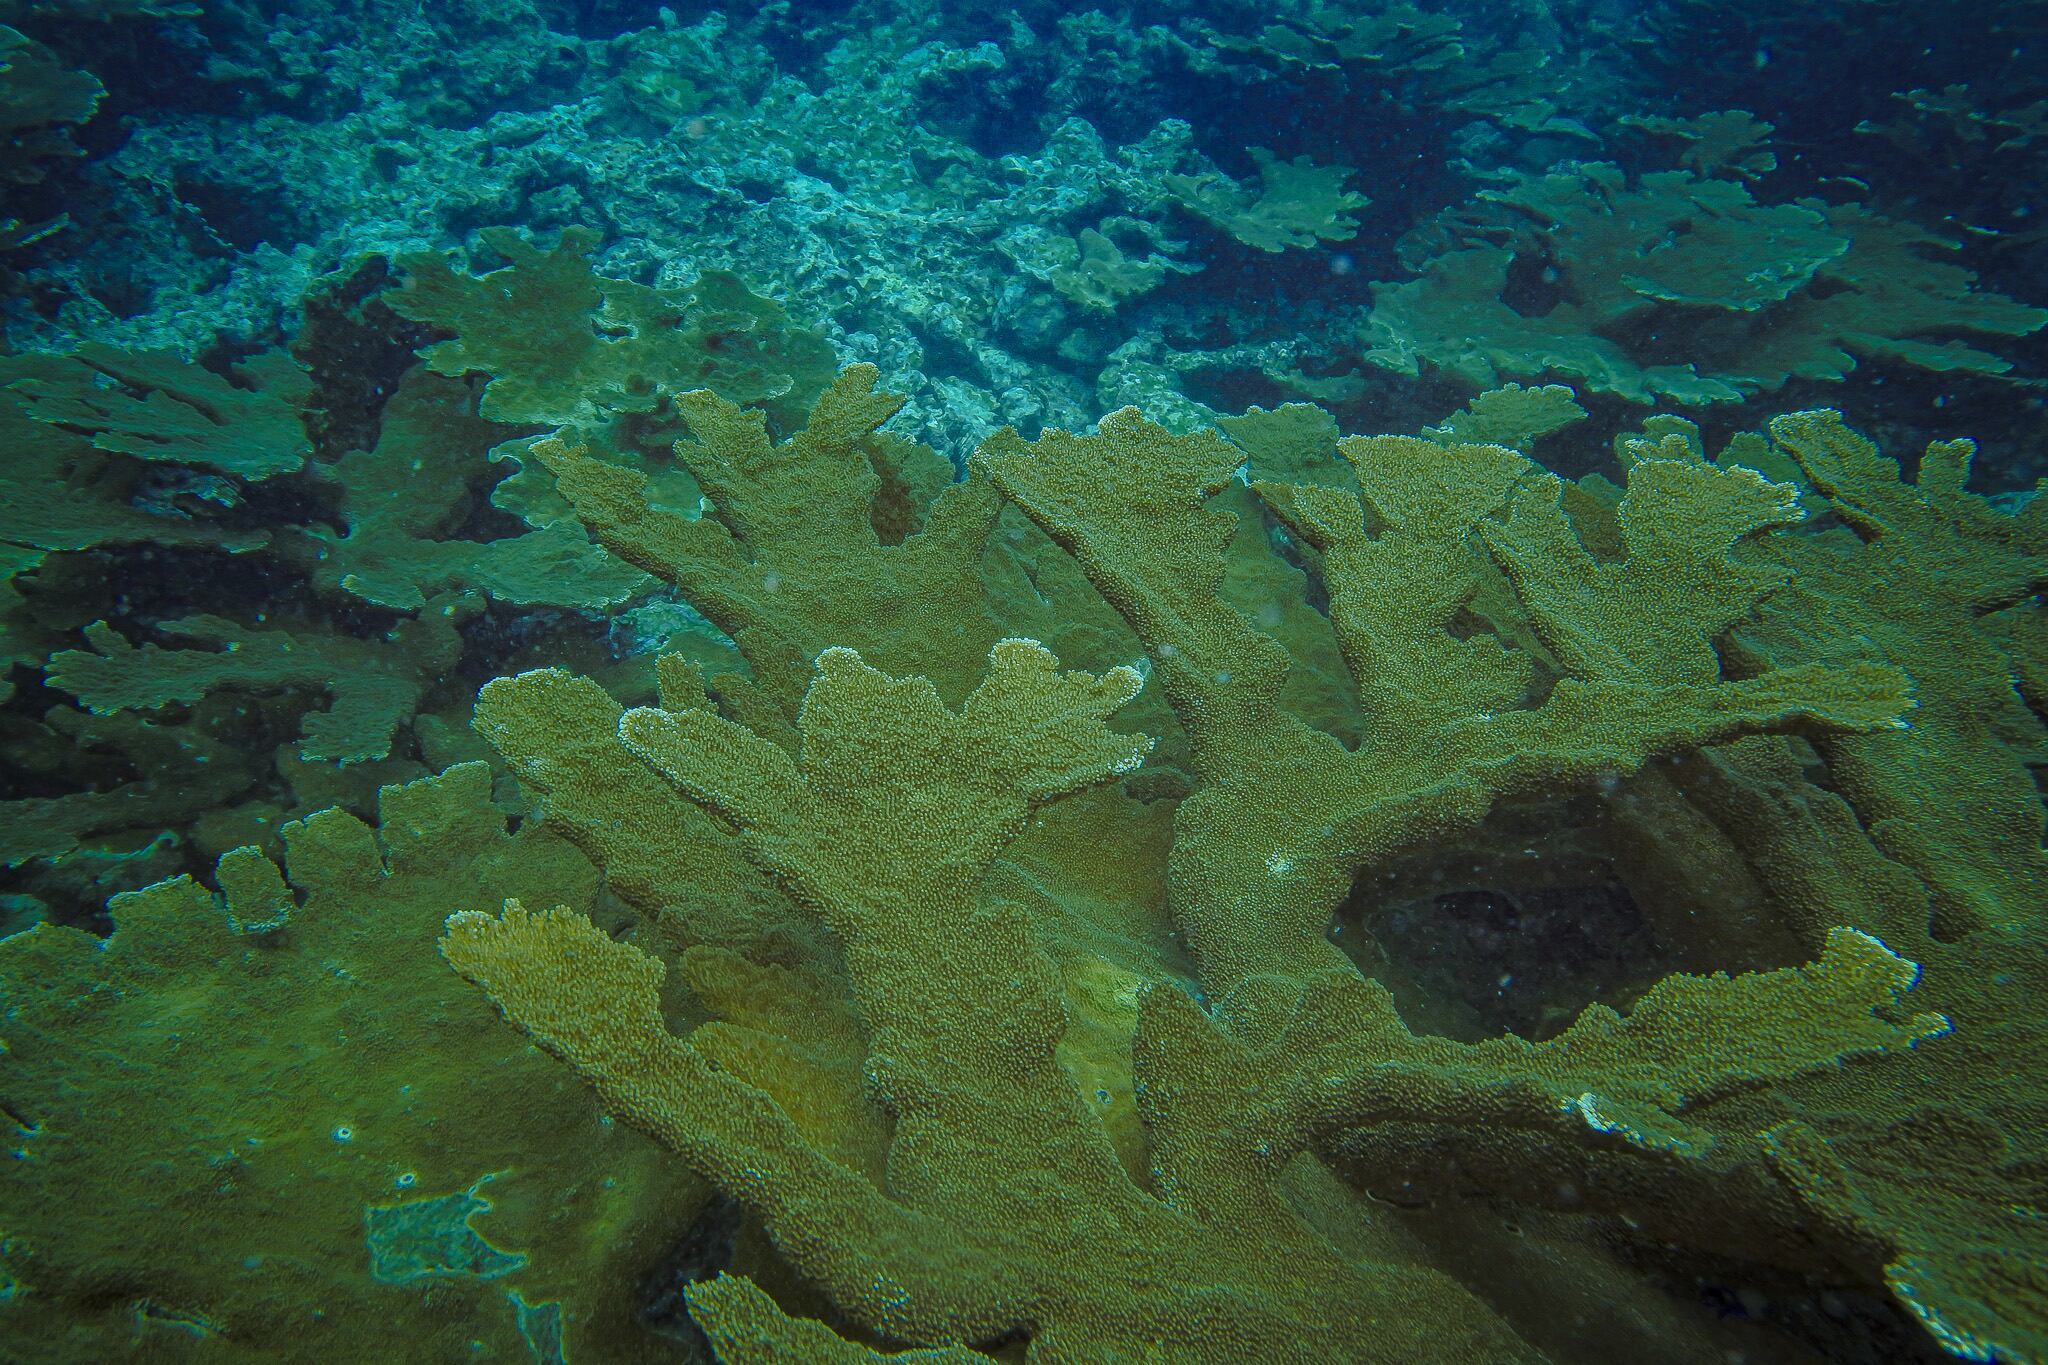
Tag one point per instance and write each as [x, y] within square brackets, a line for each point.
[1033, 684]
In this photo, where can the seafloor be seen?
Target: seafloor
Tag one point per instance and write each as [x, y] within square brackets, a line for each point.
[1314, 681]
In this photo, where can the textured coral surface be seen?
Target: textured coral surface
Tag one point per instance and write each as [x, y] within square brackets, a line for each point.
[1306, 682]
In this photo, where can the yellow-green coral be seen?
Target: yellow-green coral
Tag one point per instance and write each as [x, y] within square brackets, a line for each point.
[1097, 273]
[889, 817]
[963, 1016]
[1926, 1170]
[64, 491]
[400, 503]
[1287, 812]
[746, 1327]
[1009, 1002]
[1005, 1206]
[1511, 416]
[204, 1109]
[809, 542]
[1731, 141]
[374, 687]
[563, 343]
[1909, 583]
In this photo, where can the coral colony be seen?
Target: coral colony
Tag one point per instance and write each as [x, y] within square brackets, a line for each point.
[1315, 681]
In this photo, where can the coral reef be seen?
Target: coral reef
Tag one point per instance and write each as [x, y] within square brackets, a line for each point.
[1297, 204]
[1761, 294]
[688, 685]
[885, 812]
[221, 1210]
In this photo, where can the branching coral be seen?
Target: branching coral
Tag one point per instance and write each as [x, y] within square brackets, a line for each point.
[563, 343]
[887, 812]
[38, 96]
[240, 1109]
[1932, 832]
[1005, 1206]
[1101, 267]
[68, 500]
[1297, 203]
[399, 505]
[1448, 911]
[121, 459]
[1950, 796]
[1450, 730]
[1398, 52]
[248, 423]
[946, 1253]
[374, 685]
[1588, 275]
